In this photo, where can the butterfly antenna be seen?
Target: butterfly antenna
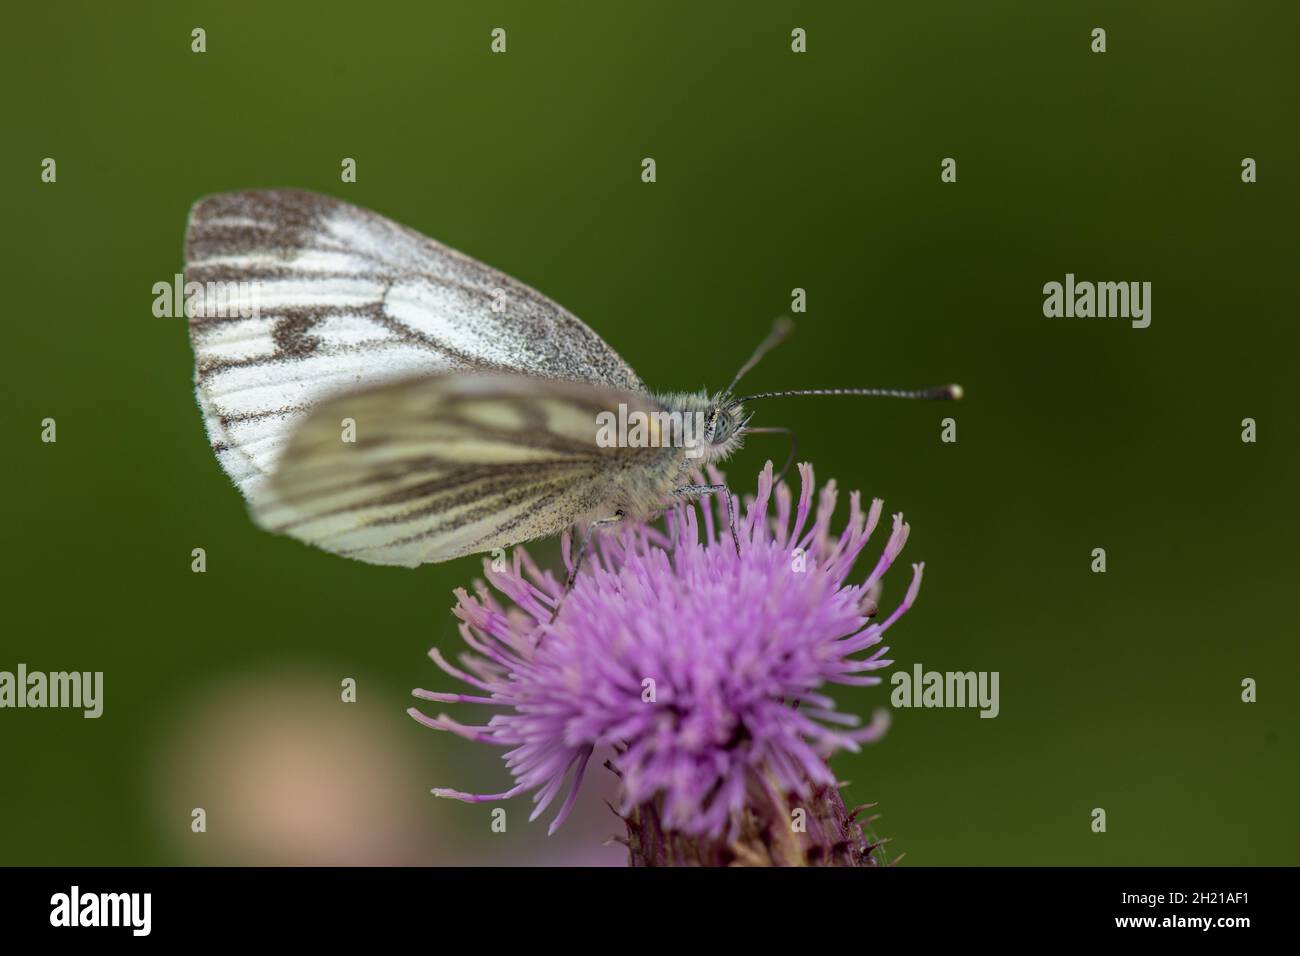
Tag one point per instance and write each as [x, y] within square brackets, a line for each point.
[781, 330]
[942, 393]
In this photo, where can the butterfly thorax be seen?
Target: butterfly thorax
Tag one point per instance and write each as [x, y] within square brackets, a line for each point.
[686, 432]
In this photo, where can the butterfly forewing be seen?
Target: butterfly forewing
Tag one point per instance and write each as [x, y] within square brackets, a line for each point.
[447, 465]
[344, 299]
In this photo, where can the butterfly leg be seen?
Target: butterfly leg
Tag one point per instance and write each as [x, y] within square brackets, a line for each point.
[584, 542]
[692, 492]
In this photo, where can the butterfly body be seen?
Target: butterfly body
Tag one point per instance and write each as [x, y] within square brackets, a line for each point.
[389, 399]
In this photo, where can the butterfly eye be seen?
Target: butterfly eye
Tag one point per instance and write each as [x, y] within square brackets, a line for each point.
[722, 427]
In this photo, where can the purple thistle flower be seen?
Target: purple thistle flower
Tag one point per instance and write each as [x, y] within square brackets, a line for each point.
[704, 669]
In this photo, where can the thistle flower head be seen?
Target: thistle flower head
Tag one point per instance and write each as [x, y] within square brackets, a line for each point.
[704, 669]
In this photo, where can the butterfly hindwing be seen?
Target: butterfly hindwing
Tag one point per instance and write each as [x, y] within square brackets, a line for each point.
[446, 465]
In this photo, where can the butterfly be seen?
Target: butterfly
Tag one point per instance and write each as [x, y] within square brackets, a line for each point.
[389, 399]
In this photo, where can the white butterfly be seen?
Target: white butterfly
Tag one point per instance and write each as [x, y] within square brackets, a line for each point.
[473, 401]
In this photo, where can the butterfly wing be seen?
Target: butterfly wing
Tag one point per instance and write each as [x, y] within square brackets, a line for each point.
[342, 298]
[451, 464]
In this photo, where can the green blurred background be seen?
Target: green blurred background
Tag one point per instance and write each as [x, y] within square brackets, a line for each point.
[775, 171]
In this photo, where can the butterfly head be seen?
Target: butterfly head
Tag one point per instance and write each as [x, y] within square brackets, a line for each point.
[724, 428]
[713, 426]
[723, 421]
